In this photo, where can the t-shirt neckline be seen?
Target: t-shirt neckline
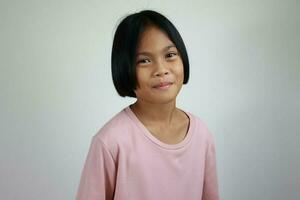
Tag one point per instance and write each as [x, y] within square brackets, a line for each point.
[155, 140]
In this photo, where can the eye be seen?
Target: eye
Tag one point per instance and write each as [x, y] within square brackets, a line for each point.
[171, 55]
[143, 61]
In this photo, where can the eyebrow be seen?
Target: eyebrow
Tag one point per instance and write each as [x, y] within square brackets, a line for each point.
[164, 49]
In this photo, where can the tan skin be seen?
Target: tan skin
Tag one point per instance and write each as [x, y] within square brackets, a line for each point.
[160, 78]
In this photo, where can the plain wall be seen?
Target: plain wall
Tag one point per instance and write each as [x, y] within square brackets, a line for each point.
[57, 92]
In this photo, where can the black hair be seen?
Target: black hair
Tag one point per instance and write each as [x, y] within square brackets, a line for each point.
[125, 45]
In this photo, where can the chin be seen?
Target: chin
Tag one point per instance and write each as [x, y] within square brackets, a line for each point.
[164, 99]
[159, 97]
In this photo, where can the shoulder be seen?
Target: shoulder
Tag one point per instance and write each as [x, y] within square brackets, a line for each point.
[114, 128]
[200, 128]
[114, 131]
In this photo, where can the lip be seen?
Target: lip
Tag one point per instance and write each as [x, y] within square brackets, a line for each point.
[163, 85]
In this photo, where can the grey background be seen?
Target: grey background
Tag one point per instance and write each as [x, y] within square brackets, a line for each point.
[56, 90]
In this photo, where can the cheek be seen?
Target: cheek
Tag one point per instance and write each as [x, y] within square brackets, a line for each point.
[179, 71]
[142, 83]
[142, 76]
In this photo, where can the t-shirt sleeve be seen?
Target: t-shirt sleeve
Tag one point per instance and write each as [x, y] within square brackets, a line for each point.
[210, 188]
[98, 176]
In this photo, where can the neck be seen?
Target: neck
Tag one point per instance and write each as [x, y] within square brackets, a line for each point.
[158, 113]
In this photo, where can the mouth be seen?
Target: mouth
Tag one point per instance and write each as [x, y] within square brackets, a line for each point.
[163, 85]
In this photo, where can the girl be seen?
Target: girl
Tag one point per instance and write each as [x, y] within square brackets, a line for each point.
[151, 150]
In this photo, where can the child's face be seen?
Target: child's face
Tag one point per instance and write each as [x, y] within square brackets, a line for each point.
[159, 67]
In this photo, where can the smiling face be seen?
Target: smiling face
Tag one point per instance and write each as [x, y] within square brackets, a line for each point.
[159, 67]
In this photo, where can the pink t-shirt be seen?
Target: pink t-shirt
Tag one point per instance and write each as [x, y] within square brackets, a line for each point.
[126, 162]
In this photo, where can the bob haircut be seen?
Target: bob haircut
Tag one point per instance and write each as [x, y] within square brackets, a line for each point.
[125, 43]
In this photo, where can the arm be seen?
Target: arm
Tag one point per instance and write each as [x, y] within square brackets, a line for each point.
[98, 176]
[210, 188]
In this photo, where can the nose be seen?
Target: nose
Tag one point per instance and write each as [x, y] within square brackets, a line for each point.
[161, 69]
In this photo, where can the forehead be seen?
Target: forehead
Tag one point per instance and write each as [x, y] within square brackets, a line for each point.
[153, 38]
